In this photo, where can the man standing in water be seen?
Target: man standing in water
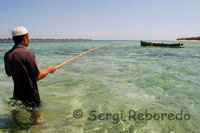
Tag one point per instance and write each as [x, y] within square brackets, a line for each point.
[21, 65]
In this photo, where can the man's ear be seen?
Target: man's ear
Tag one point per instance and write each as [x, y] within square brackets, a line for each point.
[27, 37]
[24, 38]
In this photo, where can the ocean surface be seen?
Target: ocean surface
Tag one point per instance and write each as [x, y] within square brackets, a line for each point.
[120, 88]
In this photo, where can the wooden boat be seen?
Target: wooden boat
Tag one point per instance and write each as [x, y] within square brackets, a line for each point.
[161, 44]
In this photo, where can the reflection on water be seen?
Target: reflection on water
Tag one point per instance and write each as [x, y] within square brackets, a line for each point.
[17, 122]
[21, 117]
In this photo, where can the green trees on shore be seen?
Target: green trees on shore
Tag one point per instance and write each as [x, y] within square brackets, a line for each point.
[189, 38]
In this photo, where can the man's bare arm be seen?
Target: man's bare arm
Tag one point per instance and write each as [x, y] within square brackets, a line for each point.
[9, 75]
[45, 73]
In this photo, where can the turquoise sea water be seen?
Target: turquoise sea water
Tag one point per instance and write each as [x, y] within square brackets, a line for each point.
[114, 81]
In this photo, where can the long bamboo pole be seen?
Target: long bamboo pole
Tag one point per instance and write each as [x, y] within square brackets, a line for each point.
[82, 54]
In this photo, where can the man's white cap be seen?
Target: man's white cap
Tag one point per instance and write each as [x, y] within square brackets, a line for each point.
[19, 30]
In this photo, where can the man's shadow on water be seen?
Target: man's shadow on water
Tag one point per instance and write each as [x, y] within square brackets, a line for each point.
[10, 123]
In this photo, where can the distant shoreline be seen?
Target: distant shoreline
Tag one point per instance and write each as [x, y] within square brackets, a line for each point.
[47, 40]
[195, 39]
[189, 40]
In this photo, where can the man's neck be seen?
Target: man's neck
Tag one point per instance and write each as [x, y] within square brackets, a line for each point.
[19, 46]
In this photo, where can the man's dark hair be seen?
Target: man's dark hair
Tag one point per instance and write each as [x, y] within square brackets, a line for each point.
[18, 39]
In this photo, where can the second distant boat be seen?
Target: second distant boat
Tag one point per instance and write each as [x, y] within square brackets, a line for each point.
[161, 44]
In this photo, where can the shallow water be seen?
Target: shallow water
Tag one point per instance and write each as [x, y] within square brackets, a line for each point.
[112, 80]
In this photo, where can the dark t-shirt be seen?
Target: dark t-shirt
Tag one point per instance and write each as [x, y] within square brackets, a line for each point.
[20, 63]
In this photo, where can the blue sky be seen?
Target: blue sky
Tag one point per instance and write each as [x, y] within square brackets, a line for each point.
[102, 19]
